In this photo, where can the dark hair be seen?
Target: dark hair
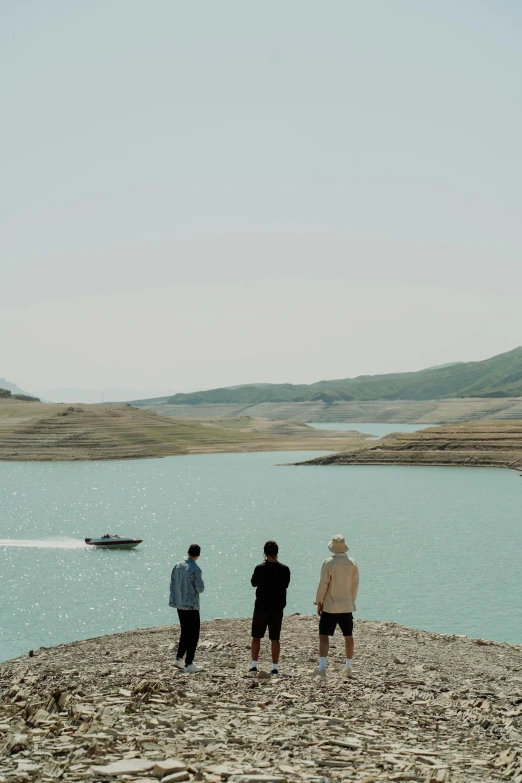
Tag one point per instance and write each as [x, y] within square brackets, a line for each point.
[194, 550]
[271, 548]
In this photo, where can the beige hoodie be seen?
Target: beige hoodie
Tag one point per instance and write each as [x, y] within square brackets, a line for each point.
[338, 584]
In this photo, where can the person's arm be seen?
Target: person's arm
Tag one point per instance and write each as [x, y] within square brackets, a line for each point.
[172, 596]
[199, 584]
[255, 577]
[355, 581]
[287, 580]
[322, 589]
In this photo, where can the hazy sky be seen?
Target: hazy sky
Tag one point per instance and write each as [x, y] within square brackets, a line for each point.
[203, 193]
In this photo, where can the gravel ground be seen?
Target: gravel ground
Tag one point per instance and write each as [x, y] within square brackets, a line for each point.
[420, 707]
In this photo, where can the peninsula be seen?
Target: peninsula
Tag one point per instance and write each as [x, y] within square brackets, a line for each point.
[40, 431]
[478, 444]
[433, 708]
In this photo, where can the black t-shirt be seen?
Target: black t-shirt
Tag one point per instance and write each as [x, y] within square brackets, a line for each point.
[271, 580]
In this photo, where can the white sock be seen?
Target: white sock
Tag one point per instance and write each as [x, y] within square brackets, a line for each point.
[253, 665]
[275, 667]
[322, 664]
[348, 663]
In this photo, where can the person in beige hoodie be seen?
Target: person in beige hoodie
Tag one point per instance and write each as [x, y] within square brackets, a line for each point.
[335, 600]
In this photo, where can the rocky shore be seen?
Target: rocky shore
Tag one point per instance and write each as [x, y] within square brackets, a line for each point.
[420, 707]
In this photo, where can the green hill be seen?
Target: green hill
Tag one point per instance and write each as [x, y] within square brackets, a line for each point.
[500, 376]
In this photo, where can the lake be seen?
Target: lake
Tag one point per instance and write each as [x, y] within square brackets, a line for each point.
[438, 548]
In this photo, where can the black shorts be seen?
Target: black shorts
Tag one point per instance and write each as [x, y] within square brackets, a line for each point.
[263, 620]
[328, 623]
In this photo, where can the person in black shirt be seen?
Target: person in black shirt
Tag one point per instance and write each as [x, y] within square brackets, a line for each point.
[271, 578]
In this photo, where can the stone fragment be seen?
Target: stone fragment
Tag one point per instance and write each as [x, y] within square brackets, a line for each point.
[347, 743]
[63, 698]
[175, 777]
[27, 766]
[168, 767]
[259, 779]
[123, 767]
[40, 716]
[51, 770]
[221, 769]
[17, 742]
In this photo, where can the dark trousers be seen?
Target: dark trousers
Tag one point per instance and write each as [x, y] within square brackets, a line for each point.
[189, 637]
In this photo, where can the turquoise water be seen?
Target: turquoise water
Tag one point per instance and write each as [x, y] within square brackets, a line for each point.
[369, 428]
[438, 548]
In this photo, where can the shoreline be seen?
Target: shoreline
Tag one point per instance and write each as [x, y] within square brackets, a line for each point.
[174, 627]
[420, 707]
[323, 461]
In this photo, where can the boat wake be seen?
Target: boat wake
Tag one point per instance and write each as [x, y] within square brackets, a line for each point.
[45, 543]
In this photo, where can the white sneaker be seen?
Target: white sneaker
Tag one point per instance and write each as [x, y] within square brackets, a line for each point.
[192, 668]
[179, 663]
[348, 673]
[319, 672]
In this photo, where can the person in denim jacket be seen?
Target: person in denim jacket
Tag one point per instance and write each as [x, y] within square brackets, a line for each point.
[186, 583]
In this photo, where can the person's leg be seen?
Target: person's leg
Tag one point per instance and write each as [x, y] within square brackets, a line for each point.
[275, 621]
[327, 625]
[182, 646]
[259, 626]
[346, 623]
[349, 646]
[256, 649]
[324, 646]
[193, 636]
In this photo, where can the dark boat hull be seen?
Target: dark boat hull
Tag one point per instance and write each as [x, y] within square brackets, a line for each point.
[124, 543]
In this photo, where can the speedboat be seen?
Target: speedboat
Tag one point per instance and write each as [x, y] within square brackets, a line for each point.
[112, 541]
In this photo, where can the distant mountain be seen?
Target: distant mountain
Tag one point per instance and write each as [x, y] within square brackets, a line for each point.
[500, 376]
[12, 387]
[96, 395]
[441, 366]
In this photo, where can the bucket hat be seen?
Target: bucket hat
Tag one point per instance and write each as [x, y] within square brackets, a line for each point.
[338, 545]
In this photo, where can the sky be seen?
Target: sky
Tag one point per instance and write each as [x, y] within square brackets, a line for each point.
[204, 194]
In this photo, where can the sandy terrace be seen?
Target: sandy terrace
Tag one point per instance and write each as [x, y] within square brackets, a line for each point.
[38, 431]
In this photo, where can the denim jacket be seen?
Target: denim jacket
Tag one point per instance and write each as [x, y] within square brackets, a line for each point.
[186, 583]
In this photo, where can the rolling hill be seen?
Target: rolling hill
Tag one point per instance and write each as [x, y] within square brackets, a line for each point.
[497, 377]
